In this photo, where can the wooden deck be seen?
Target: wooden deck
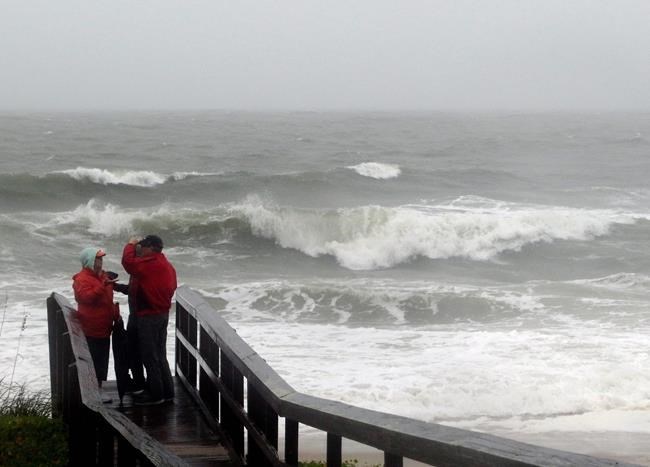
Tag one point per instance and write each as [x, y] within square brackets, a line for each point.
[179, 426]
[221, 378]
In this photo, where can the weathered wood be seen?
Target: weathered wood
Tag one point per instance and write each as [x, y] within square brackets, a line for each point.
[291, 430]
[210, 419]
[106, 443]
[179, 427]
[82, 433]
[53, 337]
[334, 450]
[233, 396]
[392, 460]
[246, 360]
[126, 454]
[235, 416]
[262, 431]
[81, 400]
[214, 364]
[186, 327]
[399, 436]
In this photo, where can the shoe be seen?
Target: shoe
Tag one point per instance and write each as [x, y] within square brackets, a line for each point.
[106, 399]
[133, 388]
[146, 399]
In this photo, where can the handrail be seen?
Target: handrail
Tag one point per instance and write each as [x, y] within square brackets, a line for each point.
[211, 357]
[75, 395]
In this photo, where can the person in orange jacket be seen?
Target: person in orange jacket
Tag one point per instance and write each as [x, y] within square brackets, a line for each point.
[93, 290]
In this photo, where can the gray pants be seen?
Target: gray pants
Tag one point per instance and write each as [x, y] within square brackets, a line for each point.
[152, 333]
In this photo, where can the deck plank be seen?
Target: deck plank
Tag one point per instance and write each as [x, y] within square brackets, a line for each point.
[178, 425]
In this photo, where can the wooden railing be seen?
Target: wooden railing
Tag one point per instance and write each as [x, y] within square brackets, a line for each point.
[244, 399]
[97, 434]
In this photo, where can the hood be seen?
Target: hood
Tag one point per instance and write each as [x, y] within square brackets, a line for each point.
[87, 257]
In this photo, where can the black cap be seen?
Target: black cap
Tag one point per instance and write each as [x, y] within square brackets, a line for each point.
[152, 241]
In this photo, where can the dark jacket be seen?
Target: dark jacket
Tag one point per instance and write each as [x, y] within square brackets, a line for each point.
[153, 281]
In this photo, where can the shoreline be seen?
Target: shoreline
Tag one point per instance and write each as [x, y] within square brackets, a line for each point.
[621, 446]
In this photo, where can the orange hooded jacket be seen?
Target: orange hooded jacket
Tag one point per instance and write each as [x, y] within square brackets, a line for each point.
[95, 303]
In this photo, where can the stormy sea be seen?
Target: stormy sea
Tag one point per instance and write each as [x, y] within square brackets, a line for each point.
[489, 271]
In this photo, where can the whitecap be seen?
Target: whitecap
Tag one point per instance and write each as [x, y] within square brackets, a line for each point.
[143, 178]
[377, 170]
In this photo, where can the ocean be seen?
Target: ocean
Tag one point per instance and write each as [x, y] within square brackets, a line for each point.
[489, 271]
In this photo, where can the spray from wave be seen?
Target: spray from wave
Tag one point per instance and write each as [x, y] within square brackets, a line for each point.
[377, 170]
[109, 220]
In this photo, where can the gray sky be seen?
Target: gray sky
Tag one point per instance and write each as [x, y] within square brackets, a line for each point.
[325, 54]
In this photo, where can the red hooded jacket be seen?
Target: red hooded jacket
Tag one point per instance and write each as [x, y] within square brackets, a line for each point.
[95, 303]
[153, 281]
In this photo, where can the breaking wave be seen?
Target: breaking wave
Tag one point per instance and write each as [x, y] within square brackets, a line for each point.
[359, 238]
[377, 170]
[141, 178]
[624, 281]
[374, 237]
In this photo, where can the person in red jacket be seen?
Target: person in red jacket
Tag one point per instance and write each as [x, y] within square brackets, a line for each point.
[153, 280]
[93, 290]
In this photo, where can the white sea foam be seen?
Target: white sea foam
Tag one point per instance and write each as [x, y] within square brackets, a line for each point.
[462, 376]
[142, 178]
[376, 170]
[372, 237]
[183, 175]
[380, 302]
[624, 281]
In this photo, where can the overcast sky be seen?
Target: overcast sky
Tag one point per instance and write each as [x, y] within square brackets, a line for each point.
[325, 54]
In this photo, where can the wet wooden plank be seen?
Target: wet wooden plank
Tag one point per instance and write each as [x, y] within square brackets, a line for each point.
[178, 426]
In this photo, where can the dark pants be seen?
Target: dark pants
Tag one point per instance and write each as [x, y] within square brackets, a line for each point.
[99, 350]
[152, 332]
[133, 346]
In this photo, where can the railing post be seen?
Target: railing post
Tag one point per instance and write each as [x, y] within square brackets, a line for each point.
[209, 351]
[181, 351]
[234, 383]
[179, 310]
[334, 451]
[106, 443]
[265, 420]
[82, 437]
[126, 454]
[186, 325]
[291, 442]
[53, 340]
[392, 460]
[192, 338]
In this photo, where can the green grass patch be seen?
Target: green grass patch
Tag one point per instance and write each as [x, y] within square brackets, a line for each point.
[32, 441]
[345, 463]
[28, 436]
[17, 401]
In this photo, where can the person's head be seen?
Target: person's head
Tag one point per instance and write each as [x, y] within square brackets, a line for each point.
[92, 258]
[150, 244]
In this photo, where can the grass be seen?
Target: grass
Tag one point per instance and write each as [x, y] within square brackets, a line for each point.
[17, 401]
[28, 436]
[345, 463]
